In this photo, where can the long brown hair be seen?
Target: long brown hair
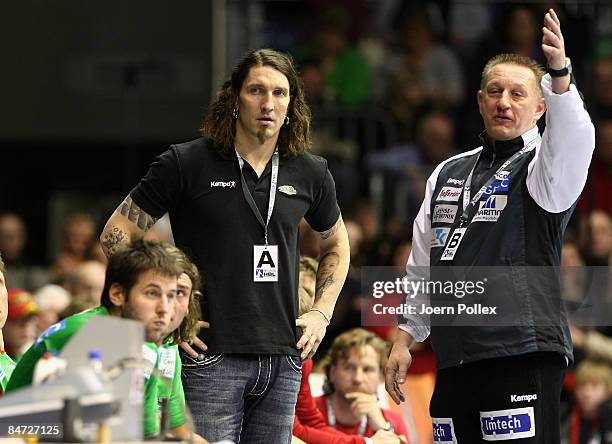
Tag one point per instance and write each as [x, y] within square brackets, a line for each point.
[219, 125]
[188, 329]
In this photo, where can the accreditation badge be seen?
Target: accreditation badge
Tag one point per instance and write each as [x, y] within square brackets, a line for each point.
[265, 262]
[453, 244]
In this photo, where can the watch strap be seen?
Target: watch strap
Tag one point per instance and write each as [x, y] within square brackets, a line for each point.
[558, 72]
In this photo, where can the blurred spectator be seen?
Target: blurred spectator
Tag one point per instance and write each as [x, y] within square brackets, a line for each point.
[585, 314]
[596, 193]
[591, 416]
[602, 89]
[86, 282]
[469, 22]
[21, 324]
[344, 70]
[523, 33]
[78, 241]
[13, 238]
[52, 300]
[414, 162]
[75, 306]
[573, 280]
[355, 235]
[570, 253]
[592, 344]
[425, 75]
[596, 237]
[401, 251]
[364, 214]
[516, 30]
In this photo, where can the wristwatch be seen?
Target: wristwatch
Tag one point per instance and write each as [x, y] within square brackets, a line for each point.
[563, 71]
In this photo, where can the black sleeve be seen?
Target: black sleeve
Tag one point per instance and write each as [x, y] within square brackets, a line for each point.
[324, 212]
[158, 191]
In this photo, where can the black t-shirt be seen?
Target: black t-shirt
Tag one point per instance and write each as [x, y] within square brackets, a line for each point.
[212, 222]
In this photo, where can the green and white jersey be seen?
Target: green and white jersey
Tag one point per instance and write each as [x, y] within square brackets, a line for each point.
[56, 337]
[170, 384]
[6, 369]
[150, 353]
[52, 340]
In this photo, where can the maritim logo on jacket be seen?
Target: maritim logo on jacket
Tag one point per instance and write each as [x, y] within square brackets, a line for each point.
[491, 209]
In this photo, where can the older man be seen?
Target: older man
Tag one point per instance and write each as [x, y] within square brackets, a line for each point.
[506, 203]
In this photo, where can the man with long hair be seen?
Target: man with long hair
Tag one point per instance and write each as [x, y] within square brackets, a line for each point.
[235, 199]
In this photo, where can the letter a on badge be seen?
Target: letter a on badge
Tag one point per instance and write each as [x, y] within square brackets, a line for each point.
[265, 260]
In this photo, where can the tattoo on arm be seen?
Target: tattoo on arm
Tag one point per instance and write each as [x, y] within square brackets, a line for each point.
[134, 213]
[325, 273]
[333, 230]
[113, 240]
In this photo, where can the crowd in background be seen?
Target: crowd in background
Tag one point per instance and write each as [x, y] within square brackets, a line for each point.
[414, 73]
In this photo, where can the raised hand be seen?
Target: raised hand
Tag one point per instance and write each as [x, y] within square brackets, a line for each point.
[553, 45]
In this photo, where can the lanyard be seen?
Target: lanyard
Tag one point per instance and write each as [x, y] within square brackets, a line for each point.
[467, 203]
[331, 417]
[272, 198]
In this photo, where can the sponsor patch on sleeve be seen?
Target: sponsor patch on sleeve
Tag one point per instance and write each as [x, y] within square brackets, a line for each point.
[504, 425]
[449, 194]
[439, 237]
[444, 214]
[443, 431]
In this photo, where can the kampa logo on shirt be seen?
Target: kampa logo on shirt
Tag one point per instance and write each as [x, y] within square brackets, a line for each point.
[221, 184]
[502, 425]
[491, 209]
[455, 181]
[449, 194]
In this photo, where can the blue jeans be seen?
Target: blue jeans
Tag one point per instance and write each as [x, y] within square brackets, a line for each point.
[245, 398]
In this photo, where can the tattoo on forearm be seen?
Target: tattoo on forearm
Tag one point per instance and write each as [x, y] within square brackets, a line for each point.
[113, 240]
[134, 213]
[325, 273]
[329, 233]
